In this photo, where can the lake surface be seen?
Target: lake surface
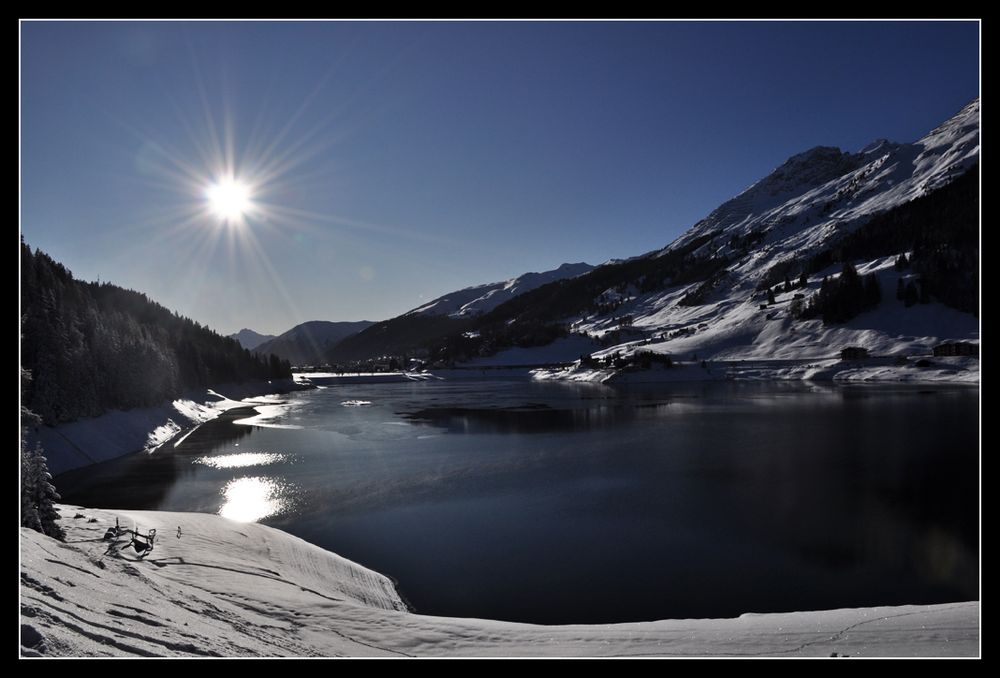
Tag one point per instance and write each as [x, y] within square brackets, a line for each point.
[555, 503]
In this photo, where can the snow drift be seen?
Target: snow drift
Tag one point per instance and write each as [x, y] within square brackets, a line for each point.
[214, 587]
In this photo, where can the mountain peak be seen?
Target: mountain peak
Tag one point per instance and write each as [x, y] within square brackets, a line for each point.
[813, 154]
[876, 147]
[307, 343]
[250, 339]
[819, 163]
[966, 121]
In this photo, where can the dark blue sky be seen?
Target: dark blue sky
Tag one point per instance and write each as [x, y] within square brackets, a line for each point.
[394, 162]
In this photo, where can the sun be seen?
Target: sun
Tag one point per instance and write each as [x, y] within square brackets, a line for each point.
[229, 199]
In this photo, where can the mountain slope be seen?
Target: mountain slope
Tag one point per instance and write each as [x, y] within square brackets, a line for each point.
[448, 314]
[820, 209]
[249, 339]
[473, 301]
[94, 347]
[308, 343]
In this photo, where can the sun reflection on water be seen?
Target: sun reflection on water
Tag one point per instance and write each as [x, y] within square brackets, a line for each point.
[251, 499]
[242, 460]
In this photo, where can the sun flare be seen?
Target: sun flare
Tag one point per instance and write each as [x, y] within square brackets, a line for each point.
[229, 199]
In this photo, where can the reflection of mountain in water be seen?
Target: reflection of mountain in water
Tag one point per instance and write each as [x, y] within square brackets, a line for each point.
[143, 480]
[527, 419]
[538, 417]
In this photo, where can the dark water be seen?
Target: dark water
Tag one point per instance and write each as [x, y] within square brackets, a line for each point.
[554, 504]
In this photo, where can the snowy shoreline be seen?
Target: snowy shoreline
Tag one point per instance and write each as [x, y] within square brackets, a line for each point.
[215, 587]
[117, 433]
[940, 372]
[90, 441]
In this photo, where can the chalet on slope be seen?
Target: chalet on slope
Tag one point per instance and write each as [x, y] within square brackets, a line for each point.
[853, 353]
[954, 348]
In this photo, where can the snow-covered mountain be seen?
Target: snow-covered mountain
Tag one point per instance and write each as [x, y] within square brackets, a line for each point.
[307, 343]
[249, 339]
[816, 195]
[480, 299]
[415, 330]
[706, 294]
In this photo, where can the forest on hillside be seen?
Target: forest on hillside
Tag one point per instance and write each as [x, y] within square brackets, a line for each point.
[93, 347]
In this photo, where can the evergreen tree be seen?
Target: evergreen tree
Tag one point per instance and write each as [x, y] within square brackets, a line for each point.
[770, 296]
[849, 275]
[803, 280]
[840, 300]
[38, 495]
[925, 296]
[788, 284]
[900, 289]
[910, 294]
[873, 293]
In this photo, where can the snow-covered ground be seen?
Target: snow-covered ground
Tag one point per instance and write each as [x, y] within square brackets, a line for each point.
[215, 587]
[89, 441]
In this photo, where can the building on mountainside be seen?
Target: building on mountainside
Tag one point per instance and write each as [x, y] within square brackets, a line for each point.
[956, 348]
[853, 353]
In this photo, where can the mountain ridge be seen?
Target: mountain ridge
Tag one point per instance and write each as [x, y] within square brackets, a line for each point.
[480, 299]
[250, 339]
[411, 332]
[706, 293]
[307, 343]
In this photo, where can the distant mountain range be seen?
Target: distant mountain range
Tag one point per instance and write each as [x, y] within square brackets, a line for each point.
[449, 313]
[771, 273]
[308, 343]
[249, 339]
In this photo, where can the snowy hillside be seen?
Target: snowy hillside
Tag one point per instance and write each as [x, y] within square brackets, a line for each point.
[213, 587]
[815, 195]
[249, 339]
[114, 434]
[480, 299]
[739, 284]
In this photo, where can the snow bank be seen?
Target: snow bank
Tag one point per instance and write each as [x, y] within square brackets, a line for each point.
[949, 370]
[89, 441]
[223, 588]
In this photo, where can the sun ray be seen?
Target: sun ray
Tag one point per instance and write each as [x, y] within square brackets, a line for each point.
[226, 196]
[354, 223]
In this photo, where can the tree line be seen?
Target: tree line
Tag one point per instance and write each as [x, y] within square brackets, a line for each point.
[93, 347]
[940, 230]
[840, 299]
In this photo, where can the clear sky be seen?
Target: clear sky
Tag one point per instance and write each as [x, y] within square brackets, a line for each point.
[391, 162]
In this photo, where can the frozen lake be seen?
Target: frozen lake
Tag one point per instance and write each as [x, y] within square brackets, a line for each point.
[556, 503]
